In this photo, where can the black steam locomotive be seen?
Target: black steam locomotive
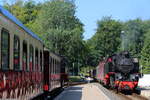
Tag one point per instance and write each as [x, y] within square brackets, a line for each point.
[120, 71]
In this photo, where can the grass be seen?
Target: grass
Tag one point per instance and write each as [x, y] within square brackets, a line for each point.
[74, 79]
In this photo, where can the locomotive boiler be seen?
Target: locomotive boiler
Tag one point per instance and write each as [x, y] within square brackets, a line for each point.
[120, 71]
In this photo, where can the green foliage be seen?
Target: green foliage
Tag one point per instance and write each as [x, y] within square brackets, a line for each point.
[92, 55]
[61, 30]
[145, 54]
[55, 22]
[58, 15]
[107, 37]
[85, 70]
[26, 12]
[17, 10]
[132, 36]
[75, 79]
[32, 10]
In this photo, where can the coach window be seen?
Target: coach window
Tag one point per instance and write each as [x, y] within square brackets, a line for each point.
[50, 63]
[36, 60]
[16, 53]
[31, 58]
[41, 60]
[5, 49]
[56, 66]
[53, 66]
[24, 59]
[59, 67]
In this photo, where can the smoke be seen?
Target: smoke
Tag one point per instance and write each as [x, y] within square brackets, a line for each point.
[131, 36]
[129, 41]
[124, 41]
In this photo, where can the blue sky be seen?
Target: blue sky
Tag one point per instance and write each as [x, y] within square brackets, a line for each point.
[89, 11]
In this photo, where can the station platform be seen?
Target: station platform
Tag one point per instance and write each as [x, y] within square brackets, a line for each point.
[82, 92]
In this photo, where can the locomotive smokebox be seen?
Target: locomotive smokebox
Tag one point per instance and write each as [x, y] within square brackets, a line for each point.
[124, 63]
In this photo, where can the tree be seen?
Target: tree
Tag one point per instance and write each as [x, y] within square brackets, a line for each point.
[55, 22]
[61, 30]
[145, 54]
[107, 38]
[132, 37]
[17, 10]
[26, 12]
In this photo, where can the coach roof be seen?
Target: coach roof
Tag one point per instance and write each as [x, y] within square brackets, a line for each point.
[7, 14]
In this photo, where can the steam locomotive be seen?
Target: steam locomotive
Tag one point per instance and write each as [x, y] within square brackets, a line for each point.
[119, 71]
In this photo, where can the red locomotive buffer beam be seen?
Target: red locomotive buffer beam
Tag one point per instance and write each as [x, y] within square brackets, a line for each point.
[126, 85]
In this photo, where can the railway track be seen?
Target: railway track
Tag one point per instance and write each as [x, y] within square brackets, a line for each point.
[135, 96]
[129, 96]
[120, 96]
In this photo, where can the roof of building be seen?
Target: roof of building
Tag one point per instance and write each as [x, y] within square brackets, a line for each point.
[7, 14]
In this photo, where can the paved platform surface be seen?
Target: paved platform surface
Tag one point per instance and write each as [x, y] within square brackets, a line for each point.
[82, 92]
[145, 91]
[92, 92]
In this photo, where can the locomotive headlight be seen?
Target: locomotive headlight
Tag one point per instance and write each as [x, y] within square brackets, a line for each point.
[119, 76]
[137, 75]
[132, 77]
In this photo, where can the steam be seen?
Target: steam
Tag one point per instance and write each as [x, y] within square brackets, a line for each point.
[129, 40]
[131, 35]
[124, 41]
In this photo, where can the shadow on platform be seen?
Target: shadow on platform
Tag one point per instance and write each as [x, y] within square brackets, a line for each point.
[72, 93]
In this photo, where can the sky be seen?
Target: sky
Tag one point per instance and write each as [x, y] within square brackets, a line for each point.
[90, 11]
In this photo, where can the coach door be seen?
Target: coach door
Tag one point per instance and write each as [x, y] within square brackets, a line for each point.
[46, 86]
